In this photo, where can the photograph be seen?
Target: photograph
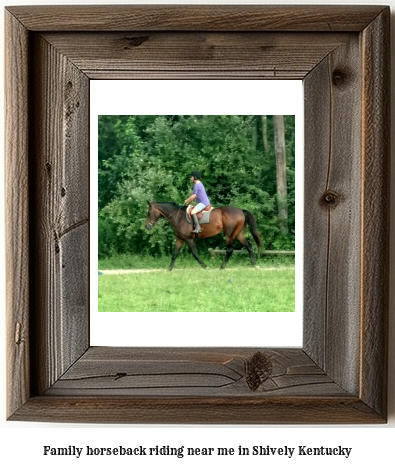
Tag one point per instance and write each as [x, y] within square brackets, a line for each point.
[196, 213]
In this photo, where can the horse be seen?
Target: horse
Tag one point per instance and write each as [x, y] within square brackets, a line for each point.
[228, 219]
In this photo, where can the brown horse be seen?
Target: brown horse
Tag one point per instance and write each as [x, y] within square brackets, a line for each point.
[230, 220]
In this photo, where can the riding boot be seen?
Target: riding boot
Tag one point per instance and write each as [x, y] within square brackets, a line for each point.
[197, 228]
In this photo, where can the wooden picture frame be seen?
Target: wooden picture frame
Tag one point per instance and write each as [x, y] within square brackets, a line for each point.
[340, 374]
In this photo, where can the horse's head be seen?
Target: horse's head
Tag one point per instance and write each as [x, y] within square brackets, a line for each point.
[152, 217]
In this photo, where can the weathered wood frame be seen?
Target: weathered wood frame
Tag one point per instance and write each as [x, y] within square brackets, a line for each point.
[340, 374]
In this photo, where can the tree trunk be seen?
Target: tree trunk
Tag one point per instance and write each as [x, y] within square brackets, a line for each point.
[281, 168]
[254, 131]
[264, 136]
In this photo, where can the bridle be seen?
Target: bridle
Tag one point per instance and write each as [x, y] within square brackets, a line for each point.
[151, 224]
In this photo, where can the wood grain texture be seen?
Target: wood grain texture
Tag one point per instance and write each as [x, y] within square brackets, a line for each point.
[188, 372]
[198, 410]
[60, 188]
[123, 385]
[332, 200]
[17, 213]
[339, 376]
[74, 281]
[316, 225]
[196, 18]
[376, 212]
[188, 55]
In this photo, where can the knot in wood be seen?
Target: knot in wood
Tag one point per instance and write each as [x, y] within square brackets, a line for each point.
[259, 369]
[340, 77]
[135, 41]
[330, 199]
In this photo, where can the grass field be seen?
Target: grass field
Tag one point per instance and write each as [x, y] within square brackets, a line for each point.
[269, 288]
[185, 260]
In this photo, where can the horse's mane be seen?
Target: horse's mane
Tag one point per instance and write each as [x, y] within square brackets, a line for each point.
[170, 203]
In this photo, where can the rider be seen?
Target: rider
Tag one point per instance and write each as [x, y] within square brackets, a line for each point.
[199, 193]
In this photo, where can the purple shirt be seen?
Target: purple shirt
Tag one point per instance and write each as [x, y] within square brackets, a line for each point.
[201, 195]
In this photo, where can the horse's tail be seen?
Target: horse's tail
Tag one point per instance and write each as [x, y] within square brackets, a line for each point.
[250, 220]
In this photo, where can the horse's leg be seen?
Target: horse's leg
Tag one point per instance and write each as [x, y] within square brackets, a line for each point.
[229, 251]
[192, 246]
[176, 250]
[242, 239]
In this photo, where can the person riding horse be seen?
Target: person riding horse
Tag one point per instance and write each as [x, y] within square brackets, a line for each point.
[199, 193]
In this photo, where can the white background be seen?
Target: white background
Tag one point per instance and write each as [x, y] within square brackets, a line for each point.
[21, 444]
[197, 97]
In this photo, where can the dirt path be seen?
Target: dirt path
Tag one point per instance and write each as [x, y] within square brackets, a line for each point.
[143, 271]
[130, 271]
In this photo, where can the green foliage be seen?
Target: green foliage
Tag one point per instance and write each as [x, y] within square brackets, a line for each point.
[107, 245]
[147, 158]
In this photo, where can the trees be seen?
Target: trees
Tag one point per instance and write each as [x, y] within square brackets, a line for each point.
[265, 139]
[150, 158]
[281, 173]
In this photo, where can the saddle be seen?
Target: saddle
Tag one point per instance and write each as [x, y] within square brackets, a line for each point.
[203, 216]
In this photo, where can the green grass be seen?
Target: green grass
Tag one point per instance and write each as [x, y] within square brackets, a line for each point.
[185, 260]
[192, 289]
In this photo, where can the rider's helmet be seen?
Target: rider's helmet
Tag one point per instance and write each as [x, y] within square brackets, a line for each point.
[196, 174]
